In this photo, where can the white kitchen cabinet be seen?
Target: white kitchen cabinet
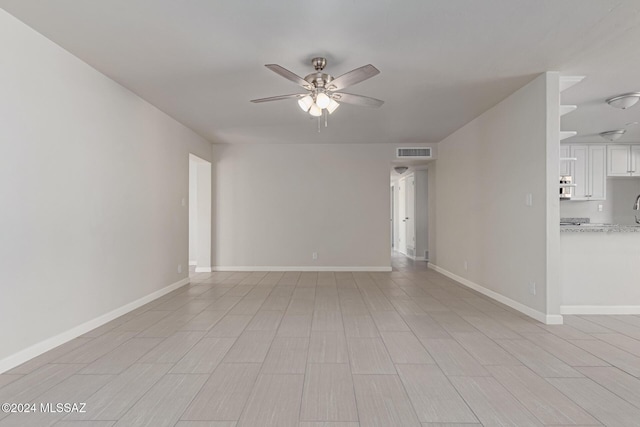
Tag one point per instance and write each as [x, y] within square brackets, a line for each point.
[623, 160]
[565, 165]
[589, 172]
[597, 176]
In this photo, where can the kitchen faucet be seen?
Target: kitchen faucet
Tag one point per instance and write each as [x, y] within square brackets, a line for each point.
[636, 207]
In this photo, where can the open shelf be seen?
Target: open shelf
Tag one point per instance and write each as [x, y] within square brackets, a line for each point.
[564, 134]
[567, 81]
[566, 109]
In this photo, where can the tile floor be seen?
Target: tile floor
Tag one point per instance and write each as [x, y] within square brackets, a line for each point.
[407, 348]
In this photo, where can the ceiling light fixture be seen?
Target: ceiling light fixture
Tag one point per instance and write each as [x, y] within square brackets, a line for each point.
[322, 100]
[315, 111]
[333, 105]
[323, 90]
[400, 169]
[305, 103]
[613, 135]
[625, 100]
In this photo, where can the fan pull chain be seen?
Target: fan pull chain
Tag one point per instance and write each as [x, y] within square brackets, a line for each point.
[318, 124]
[326, 118]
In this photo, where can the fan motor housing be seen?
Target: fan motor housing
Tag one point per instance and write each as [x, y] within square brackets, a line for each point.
[319, 63]
[318, 79]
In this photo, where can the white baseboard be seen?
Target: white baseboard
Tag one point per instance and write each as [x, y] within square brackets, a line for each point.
[302, 268]
[53, 342]
[193, 262]
[600, 309]
[554, 319]
[548, 319]
[204, 269]
[419, 258]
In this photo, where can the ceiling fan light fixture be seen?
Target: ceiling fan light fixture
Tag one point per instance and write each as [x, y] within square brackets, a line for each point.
[322, 96]
[613, 135]
[333, 105]
[322, 100]
[305, 103]
[315, 111]
[625, 100]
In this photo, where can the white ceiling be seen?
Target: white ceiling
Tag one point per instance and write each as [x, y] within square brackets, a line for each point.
[442, 62]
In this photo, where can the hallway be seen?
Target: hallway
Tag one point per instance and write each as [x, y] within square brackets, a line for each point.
[406, 348]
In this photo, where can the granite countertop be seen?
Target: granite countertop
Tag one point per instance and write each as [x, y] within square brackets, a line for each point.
[584, 225]
[600, 228]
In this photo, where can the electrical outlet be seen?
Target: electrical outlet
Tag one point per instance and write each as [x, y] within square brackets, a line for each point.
[600, 207]
[314, 255]
[179, 268]
[184, 202]
[466, 265]
[532, 288]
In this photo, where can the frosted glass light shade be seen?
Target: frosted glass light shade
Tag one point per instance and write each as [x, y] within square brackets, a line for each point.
[322, 100]
[332, 106]
[315, 111]
[401, 169]
[624, 101]
[305, 103]
[613, 135]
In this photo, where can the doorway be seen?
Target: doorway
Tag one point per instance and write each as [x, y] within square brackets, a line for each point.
[409, 192]
[199, 214]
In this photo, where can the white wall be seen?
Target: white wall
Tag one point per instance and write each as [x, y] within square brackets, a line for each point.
[484, 171]
[203, 258]
[395, 217]
[92, 180]
[193, 210]
[276, 204]
[422, 212]
[600, 273]
[200, 206]
[432, 222]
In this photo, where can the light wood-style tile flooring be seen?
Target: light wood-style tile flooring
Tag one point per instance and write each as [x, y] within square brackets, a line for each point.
[406, 348]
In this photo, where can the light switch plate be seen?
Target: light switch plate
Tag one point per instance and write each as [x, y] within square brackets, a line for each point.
[528, 199]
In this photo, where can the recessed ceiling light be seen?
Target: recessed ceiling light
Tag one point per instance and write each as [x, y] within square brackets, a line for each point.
[624, 101]
[612, 135]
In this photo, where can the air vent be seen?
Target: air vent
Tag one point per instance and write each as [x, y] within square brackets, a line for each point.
[414, 153]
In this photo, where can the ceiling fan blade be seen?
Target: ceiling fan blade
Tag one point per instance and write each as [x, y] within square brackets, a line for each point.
[278, 98]
[289, 75]
[352, 77]
[362, 101]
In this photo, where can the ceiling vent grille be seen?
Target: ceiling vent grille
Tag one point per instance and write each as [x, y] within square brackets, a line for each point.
[414, 153]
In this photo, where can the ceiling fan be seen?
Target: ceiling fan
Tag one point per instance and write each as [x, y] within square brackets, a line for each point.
[324, 92]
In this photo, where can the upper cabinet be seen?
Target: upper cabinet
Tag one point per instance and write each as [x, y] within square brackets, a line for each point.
[565, 160]
[623, 160]
[589, 172]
